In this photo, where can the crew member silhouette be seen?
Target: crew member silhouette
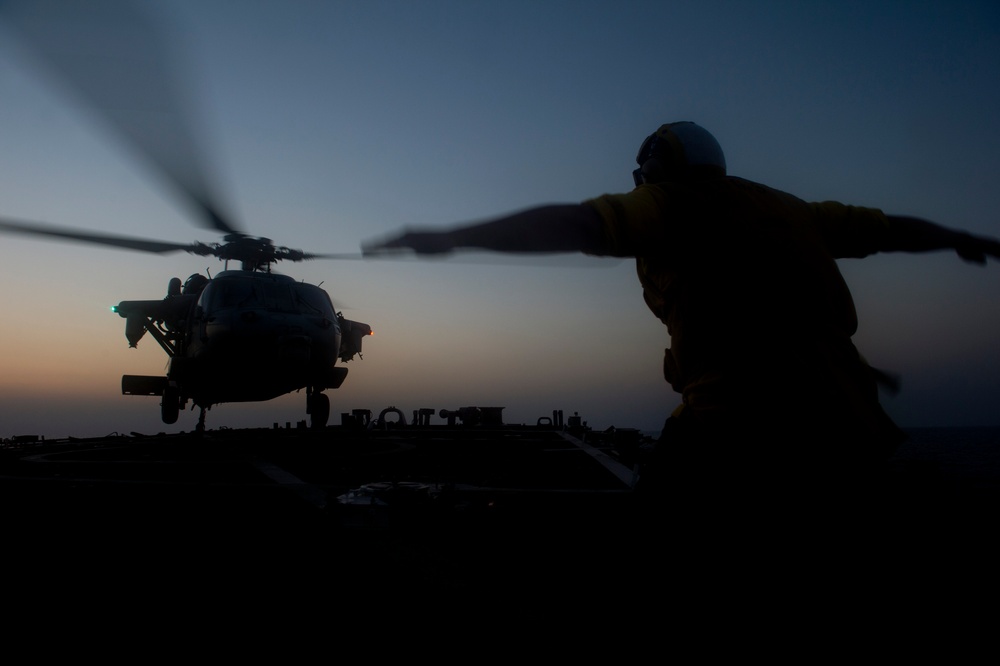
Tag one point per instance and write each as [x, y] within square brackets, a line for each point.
[759, 317]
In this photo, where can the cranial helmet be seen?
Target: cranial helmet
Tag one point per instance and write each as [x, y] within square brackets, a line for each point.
[680, 150]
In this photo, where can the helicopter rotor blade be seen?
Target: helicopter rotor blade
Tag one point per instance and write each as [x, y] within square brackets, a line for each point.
[338, 256]
[124, 242]
[115, 59]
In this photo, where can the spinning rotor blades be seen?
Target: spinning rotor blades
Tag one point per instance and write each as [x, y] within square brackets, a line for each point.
[125, 242]
[111, 57]
[114, 57]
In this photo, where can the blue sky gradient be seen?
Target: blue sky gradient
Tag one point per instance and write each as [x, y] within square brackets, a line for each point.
[329, 123]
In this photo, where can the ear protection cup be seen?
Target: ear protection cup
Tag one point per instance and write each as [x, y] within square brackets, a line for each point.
[650, 171]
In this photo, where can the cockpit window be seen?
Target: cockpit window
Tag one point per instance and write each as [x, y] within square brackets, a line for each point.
[313, 300]
[233, 294]
[240, 292]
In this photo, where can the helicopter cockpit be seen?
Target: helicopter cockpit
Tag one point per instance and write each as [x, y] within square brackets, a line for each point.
[241, 291]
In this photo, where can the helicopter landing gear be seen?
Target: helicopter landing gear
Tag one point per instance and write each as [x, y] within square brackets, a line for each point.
[170, 404]
[318, 408]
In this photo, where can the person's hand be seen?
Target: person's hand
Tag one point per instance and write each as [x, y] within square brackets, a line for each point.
[975, 249]
[421, 242]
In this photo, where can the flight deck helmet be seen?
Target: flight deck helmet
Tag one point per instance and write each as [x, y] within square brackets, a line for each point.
[679, 151]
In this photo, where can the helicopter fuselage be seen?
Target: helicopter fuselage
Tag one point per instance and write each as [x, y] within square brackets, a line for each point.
[242, 336]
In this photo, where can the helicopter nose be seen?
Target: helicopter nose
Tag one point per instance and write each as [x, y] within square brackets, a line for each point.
[294, 348]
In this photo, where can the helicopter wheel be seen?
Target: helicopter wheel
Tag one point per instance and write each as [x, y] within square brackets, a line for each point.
[319, 409]
[170, 404]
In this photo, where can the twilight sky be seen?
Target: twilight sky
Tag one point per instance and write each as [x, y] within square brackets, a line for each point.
[329, 123]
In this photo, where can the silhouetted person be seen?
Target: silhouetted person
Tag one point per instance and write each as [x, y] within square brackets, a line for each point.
[760, 319]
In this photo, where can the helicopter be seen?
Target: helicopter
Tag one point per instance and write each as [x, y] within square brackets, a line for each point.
[244, 335]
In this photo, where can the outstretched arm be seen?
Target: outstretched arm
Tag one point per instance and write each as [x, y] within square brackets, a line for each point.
[912, 234]
[553, 228]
